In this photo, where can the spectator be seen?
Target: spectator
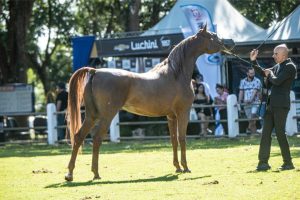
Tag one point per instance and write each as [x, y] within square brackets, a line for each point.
[61, 105]
[201, 98]
[221, 99]
[199, 79]
[249, 94]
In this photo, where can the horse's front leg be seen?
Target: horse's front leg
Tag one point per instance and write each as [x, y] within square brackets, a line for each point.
[172, 124]
[78, 140]
[182, 127]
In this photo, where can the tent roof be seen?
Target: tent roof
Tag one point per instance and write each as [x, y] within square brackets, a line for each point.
[230, 23]
[289, 29]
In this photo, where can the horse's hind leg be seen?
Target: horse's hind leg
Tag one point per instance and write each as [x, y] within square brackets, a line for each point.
[78, 139]
[172, 124]
[98, 134]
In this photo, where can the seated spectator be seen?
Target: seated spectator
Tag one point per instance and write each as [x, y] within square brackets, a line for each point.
[203, 113]
[221, 99]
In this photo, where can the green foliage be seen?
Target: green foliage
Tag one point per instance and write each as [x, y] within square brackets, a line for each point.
[265, 12]
[52, 25]
[153, 11]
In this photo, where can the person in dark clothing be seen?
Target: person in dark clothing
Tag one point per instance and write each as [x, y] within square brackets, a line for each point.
[203, 113]
[61, 105]
[280, 79]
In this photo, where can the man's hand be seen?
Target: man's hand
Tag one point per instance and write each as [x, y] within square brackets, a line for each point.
[253, 54]
[267, 72]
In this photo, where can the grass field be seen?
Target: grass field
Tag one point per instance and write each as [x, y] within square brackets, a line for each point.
[221, 169]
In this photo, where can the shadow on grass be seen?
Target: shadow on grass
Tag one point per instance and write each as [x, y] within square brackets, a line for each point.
[295, 153]
[30, 150]
[165, 178]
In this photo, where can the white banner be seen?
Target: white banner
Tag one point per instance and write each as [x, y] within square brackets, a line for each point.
[208, 64]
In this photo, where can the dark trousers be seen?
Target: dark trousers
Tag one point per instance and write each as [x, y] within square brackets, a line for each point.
[61, 132]
[275, 117]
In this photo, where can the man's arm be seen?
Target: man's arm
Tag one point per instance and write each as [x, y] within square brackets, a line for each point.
[258, 69]
[255, 93]
[241, 96]
[288, 72]
[58, 105]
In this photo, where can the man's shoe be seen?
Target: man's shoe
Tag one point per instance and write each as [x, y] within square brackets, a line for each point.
[263, 167]
[285, 166]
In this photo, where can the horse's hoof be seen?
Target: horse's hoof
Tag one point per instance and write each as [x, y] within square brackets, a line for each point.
[69, 177]
[186, 171]
[178, 171]
[96, 178]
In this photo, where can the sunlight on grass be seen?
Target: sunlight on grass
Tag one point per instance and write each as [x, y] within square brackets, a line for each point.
[221, 169]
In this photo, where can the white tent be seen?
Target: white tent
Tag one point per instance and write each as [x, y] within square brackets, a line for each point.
[230, 24]
[288, 30]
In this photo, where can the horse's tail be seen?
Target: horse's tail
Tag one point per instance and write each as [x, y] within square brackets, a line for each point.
[76, 88]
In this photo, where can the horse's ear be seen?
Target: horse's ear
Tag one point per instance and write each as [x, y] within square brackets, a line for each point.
[204, 28]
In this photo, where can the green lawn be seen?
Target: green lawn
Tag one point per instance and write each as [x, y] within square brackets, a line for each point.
[221, 169]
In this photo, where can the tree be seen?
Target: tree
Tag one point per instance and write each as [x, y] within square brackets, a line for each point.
[13, 46]
[53, 21]
[105, 17]
[154, 11]
[265, 13]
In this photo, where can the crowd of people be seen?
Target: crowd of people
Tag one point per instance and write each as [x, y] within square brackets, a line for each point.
[207, 108]
[203, 105]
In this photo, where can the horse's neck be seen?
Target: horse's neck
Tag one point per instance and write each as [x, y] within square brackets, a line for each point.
[188, 69]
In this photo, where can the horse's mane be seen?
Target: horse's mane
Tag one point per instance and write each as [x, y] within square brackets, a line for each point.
[176, 57]
[175, 60]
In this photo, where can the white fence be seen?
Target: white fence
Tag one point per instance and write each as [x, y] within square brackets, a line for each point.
[232, 120]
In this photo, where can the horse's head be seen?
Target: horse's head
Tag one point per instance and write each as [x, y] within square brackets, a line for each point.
[208, 42]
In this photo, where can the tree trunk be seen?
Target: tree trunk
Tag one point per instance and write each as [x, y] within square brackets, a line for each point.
[19, 18]
[134, 19]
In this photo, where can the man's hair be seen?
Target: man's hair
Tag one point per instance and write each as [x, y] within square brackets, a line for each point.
[250, 68]
[282, 45]
[61, 86]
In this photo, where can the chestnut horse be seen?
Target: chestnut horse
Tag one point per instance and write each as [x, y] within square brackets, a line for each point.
[165, 90]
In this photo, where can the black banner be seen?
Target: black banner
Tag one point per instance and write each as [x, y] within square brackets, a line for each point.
[152, 45]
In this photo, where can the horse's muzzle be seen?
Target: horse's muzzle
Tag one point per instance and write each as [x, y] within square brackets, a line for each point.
[228, 43]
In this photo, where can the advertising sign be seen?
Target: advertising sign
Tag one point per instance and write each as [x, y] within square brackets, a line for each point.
[141, 45]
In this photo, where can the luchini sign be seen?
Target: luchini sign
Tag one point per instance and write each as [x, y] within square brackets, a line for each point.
[142, 45]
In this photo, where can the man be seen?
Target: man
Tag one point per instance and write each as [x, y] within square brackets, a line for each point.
[280, 77]
[61, 105]
[249, 94]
